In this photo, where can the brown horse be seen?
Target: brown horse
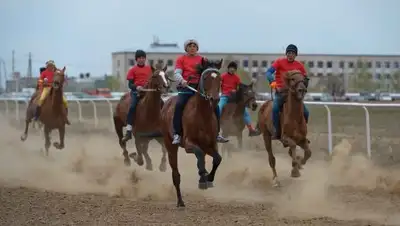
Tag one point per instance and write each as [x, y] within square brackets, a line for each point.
[147, 121]
[199, 126]
[293, 124]
[53, 112]
[232, 122]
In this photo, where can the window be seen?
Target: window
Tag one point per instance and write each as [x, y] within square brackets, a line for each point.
[378, 76]
[255, 63]
[396, 64]
[329, 74]
[170, 62]
[320, 64]
[311, 74]
[131, 62]
[351, 65]
[160, 61]
[360, 64]
[329, 64]
[341, 64]
[341, 75]
[118, 63]
[320, 74]
[387, 76]
[378, 64]
[310, 64]
[369, 75]
[151, 62]
[245, 63]
[264, 63]
[254, 75]
[387, 64]
[369, 64]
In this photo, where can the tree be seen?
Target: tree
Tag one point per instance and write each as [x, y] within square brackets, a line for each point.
[395, 81]
[361, 79]
[112, 82]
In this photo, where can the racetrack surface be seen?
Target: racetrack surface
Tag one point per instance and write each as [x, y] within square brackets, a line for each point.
[87, 184]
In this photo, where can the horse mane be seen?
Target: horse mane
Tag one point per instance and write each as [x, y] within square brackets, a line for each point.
[290, 74]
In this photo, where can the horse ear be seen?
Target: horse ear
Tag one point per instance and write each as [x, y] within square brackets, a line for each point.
[203, 61]
[152, 68]
[165, 68]
[219, 64]
[64, 68]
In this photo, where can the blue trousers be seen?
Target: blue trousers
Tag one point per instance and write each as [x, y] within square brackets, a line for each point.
[131, 113]
[183, 97]
[276, 108]
[224, 100]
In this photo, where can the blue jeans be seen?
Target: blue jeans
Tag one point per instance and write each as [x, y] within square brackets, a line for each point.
[276, 109]
[224, 100]
[183, 97]
[131, 113]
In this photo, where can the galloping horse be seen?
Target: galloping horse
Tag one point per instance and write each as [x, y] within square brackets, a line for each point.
[293, 124]
[147, 121]
[232, 122]
[53, 112]
[199, 126]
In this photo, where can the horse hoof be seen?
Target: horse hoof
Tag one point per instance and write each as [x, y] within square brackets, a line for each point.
[203, 185]
[180, 204]
[162, 168]
[58, 145]
[149, 167]
[276, 183]
[210, 184]
[133, 156]
[23, 137]
[127, 162]
[295, 173]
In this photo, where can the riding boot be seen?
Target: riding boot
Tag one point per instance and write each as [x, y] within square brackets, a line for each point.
[128, 134]
[220, 138]
[66, 117]
[252, 131]
[37, 113]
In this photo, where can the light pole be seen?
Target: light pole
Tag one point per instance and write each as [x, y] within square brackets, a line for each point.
[4, 75]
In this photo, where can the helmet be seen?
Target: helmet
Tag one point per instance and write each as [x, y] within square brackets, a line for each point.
[42, 69]
[50, 62]
[140, 53]
[191, 41]
[233, 64]
[291, 48]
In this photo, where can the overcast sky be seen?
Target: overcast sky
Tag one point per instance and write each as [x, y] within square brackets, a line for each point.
[83, 33]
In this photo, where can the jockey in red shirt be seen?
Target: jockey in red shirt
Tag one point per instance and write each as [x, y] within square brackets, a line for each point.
[185, 74]
[280, 67]
[230, 83]
[137, 78]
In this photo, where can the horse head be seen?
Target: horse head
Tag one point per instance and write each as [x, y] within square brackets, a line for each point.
[58, 80]
[247, 95]
[210, 79]
[295, 82]
[159, 78]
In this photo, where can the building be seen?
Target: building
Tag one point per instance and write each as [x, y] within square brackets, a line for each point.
[320, 66]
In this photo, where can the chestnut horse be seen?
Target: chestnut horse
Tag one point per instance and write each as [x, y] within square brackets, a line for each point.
[147, 121]
[232, 122]
[53, 113]
[199, 126]
[293, 124]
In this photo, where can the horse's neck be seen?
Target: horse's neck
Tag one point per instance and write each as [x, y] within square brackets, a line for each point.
[56, 97]
[152, 100]
[294, 107]
[203, 106]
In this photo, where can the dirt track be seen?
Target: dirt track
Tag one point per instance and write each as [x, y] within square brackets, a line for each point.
[87, 185]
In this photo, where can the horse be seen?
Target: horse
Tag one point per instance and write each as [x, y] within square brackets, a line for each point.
[53, 112]
[293, 124]
[199, 126]
[232, 122]
[147, 121]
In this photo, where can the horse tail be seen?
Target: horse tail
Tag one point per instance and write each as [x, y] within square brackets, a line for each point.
[118, 125]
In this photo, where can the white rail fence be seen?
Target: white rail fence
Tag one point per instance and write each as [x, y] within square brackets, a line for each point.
[326, 105]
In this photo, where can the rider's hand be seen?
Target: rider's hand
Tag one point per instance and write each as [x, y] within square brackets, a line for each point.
[45, 80]
[139, 88]
[273, 85]
[184, 83]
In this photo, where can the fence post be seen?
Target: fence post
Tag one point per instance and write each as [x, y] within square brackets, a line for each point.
[16, 110]
[111, 111]
[330, 142]
[80, 118]
[367, 131]
[96, 120]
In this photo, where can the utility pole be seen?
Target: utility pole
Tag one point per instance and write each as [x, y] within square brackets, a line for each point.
[29, 74]
[14, 75]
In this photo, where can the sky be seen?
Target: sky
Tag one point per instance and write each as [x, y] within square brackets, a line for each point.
[81, 34]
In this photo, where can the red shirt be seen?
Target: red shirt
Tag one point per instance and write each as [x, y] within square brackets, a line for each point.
[139, 75]
[282, 65]
[229, 82]
[49, 74]
[188, 66]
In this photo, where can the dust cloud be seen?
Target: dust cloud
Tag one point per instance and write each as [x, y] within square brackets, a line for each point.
[348, 187]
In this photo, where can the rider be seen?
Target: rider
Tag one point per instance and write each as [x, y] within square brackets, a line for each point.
[44, 83]
[229, 84]
[185, 71]
[280, 67]
[137, 78]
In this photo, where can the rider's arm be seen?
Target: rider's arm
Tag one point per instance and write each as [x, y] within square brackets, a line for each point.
[131, 79]
[270, 74]
[178, 70]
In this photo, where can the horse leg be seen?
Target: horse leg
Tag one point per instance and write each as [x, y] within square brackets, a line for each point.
[307, 151]
[118, 125]
[145, 148]
[295, 159]
[163, 163]
[240, 140]
[139, 149]
[47, 141]
[61, 133]
[173, 163]
[216, 162]
[271, 159]
[201, 163]
[25, 135]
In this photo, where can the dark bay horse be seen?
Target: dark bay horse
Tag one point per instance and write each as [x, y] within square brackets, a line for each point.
[53, 112]
[293, 124]
[199, 127]
[147, 121]
[232, 122]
